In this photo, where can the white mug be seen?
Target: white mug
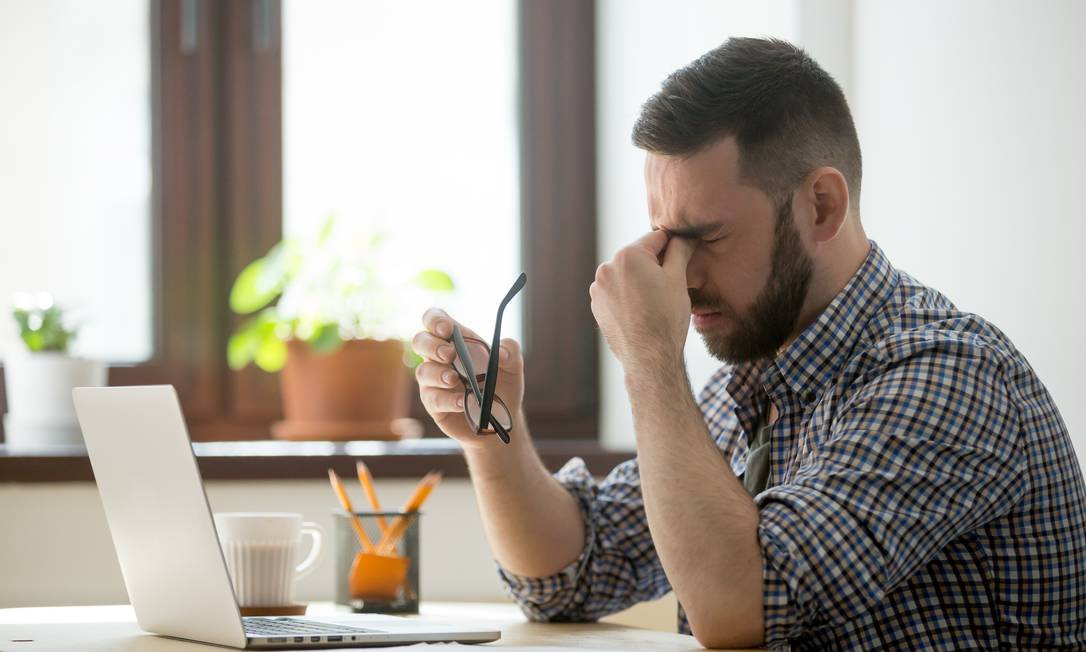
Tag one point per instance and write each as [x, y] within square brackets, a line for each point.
[261, 549]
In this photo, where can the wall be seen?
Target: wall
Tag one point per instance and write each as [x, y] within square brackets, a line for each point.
[970, 114]
[55, 547]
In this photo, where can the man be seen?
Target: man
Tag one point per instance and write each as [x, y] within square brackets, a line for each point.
[872, 469]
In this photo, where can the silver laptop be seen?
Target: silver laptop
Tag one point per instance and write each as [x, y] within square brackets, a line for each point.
[167, 546]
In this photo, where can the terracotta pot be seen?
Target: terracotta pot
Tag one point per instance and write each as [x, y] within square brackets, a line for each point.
[360, 391]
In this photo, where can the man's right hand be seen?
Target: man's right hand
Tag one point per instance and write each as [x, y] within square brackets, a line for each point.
[440, 387]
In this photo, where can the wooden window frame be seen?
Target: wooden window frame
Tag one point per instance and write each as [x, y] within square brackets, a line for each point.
[217, 204]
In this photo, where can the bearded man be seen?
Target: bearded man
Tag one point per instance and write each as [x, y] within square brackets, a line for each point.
[872, 468]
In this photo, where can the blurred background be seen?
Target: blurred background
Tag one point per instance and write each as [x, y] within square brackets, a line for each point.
[150, 150]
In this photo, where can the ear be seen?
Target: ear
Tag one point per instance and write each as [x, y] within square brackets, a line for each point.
[827, 193]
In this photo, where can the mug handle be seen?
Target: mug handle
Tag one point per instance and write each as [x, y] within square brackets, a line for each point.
[315, 551]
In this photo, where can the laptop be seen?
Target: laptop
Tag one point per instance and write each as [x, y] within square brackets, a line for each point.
[167, 546]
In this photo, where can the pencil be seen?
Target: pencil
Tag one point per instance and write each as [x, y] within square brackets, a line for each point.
[366, 480]
[345, 502]
[399, 526]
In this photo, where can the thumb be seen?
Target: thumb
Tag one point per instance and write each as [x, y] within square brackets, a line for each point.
[509, 357]
[677, 256]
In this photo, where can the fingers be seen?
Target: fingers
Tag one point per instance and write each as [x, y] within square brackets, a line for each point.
[654, 242]
[509, 358]
[439, 401]
[431, 347]
[441, 376]
[677, 256]
[437, 321]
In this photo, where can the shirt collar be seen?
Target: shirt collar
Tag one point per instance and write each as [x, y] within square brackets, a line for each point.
[816, 356]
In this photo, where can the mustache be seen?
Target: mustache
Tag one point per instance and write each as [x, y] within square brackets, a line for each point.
[705, 301]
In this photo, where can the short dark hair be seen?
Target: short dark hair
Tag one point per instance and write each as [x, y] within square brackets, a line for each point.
[788, 115]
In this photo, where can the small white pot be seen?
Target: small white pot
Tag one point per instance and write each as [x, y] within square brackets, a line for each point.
[39, 396]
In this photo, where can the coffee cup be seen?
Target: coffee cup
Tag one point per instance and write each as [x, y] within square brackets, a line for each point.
[261, 551]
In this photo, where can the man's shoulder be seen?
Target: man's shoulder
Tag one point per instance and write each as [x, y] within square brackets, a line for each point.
[920, 326]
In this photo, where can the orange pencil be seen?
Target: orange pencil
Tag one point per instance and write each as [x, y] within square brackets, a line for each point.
[366, 480]
[345, 502]
[400, 525]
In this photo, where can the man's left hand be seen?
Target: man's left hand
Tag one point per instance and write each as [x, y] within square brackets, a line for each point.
[641, 303]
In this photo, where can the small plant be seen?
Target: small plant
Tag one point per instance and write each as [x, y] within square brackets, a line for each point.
[324, 290]
[42, 323]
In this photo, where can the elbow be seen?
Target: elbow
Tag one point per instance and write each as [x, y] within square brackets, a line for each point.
[713, 640]
[729, 639]
[719, 631]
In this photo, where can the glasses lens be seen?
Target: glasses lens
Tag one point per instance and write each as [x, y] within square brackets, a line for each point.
[498, 411]
[480, 356]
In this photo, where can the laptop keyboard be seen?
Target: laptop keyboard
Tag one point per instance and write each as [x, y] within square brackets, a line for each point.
[297, 627]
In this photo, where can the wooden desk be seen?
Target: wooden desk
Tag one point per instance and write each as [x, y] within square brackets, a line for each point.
[114, 629]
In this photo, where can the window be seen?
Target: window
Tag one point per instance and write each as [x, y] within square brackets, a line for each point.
[75, 176]
[403, 115]
[242, 136]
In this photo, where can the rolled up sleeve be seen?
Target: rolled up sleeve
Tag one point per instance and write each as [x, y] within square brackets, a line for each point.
[617, 567]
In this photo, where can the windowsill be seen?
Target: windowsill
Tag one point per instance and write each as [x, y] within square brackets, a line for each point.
[286, 460]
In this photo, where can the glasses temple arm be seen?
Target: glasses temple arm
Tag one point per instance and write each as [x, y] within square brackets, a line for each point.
[495, 352]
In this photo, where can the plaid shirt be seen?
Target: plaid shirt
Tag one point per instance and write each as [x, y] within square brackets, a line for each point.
[923, 491]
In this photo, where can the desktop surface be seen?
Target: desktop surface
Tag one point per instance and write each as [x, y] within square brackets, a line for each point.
[114, 629]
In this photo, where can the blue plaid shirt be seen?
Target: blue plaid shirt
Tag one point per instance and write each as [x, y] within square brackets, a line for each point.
[923, 492]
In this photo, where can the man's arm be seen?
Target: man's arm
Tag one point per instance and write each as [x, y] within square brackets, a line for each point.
[703, 522]
[532, 523]
[570, 548]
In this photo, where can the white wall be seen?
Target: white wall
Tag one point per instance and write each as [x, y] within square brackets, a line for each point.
[970, 116]
[55, 547]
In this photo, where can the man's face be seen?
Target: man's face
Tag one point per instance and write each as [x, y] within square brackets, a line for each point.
[749, 273]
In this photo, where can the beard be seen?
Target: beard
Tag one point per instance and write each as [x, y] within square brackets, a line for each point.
[775, 310]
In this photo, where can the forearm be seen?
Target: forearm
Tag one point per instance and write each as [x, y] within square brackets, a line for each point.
[532, 523]
[704, 524]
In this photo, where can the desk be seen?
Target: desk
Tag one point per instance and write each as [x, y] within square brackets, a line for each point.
[114, 629]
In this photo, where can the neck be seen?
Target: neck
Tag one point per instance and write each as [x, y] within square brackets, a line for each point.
[839, 267]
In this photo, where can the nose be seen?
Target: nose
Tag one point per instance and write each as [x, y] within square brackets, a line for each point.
[695, 270]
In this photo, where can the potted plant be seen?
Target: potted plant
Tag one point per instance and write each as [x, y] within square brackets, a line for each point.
[327, 313]
[39, 375]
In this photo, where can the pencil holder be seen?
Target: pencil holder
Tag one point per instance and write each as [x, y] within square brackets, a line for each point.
[381, 580]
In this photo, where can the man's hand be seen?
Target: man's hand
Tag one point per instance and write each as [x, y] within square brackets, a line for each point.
[641, 303]
[441, 390]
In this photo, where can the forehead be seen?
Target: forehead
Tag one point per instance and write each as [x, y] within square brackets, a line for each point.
[690, 191]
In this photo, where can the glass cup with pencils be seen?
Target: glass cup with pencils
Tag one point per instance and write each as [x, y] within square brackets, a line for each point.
[378, 551]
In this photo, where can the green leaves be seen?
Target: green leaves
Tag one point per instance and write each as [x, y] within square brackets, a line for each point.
[257, 341]
[261, 281]
[326, 339]
[321, 289]
[42, 329]
[271, 355]
[434, 280]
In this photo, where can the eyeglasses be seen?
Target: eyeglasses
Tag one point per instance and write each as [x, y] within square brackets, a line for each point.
[486, 413]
